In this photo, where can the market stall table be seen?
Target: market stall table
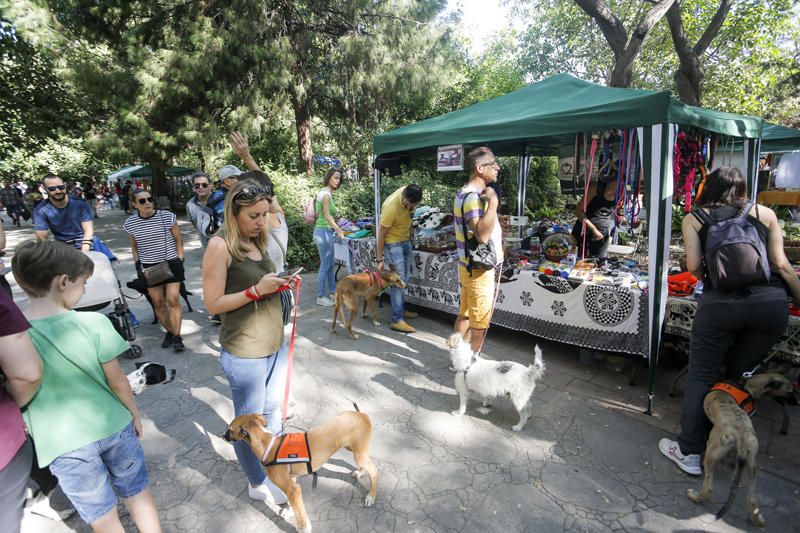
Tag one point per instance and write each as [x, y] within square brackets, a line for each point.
[680, 314]
[779, 198]
[598, 317]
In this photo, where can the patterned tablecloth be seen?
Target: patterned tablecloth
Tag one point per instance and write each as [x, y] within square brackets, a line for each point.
[681, 314]
[585, 314]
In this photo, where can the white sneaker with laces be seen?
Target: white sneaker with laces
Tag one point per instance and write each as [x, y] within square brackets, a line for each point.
[688, 463]
[324, 301]
[267, 492]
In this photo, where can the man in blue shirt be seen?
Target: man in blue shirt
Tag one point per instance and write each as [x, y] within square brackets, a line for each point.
[69, 219]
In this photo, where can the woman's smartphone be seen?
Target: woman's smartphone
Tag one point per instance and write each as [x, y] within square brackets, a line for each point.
[293, 274]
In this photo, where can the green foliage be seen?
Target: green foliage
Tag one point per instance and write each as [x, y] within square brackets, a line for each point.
[68, 157]
[751, 66]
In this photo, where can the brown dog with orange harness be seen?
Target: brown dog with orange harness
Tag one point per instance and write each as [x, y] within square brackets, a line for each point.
[297, 454]
[367, 285]
[729, 408]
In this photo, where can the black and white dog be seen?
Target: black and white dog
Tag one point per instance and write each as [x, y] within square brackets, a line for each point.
[490, 379]
[148, 373]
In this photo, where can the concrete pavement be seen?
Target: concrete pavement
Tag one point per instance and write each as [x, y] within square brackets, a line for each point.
[586, 461]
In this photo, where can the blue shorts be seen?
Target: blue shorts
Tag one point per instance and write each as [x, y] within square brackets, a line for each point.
[90, 475]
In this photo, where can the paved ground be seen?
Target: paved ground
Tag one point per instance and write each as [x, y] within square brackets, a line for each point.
[586, 461]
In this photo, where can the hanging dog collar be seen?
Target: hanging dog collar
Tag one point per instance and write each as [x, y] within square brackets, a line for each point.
[378, 282]
[740, 395]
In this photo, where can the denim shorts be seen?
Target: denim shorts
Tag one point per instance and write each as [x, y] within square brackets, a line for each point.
[90, 475]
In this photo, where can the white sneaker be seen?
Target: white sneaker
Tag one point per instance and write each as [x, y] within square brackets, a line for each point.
[267, 492]
[324, 301]
[688, 463]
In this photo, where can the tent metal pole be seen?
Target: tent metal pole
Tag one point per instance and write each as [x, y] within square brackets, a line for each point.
[376, 183]
[522, 182]
[656, 143]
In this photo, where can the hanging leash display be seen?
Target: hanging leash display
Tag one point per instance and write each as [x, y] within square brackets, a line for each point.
[588, 175]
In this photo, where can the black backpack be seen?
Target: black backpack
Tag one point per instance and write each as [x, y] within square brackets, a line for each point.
[735, 255]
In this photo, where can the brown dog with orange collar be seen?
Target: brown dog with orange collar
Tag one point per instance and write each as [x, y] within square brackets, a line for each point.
[367, 285]
[305, 453]
[728, 407]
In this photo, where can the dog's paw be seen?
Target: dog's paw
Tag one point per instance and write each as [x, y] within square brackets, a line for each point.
[484, 410]
[456, 413]
[306, 529]
[517, 427]
[376, 323]
[354, 336]
[756, 519]
[368, 501]
[693, 495]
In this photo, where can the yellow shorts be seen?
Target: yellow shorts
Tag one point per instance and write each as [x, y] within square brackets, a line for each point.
[477, 296]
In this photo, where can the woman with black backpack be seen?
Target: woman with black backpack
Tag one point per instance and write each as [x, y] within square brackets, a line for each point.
[736, 248]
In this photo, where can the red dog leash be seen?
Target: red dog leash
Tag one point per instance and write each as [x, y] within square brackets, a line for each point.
[291, 353]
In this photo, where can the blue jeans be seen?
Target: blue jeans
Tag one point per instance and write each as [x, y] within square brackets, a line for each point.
[90, 474]
[257, 386]
[323, 237]
[399, 255]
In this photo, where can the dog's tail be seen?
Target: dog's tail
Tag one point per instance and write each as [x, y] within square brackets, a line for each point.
[536, 370]
[737, 477]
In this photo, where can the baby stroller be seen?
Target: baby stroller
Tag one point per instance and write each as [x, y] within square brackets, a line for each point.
[103, 288]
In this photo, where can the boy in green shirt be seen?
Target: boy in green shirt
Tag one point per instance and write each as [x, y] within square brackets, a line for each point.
[83, 420]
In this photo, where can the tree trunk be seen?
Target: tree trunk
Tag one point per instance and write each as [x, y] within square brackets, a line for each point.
[690, 74]
[622, 72]
[158, 179]
[689, 79]
[302, 122]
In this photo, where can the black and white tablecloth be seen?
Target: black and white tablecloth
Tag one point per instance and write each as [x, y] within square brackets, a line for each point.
[593, 316]
[681, 314]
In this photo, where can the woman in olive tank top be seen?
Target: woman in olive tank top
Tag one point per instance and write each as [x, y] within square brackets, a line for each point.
[240, 284]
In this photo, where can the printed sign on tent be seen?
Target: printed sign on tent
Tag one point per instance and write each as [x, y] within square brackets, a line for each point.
[450, 157]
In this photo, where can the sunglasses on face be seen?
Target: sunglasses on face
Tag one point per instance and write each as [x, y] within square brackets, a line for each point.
[201, 185]
[142, 201]
[57, 188]
[252, 192]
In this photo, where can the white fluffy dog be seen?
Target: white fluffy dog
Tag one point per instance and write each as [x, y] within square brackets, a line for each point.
[490, 379]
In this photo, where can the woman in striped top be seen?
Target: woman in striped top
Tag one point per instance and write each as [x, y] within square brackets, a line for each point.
[155, 237]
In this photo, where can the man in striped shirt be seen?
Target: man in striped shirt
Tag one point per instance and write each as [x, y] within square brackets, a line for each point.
[475, 206]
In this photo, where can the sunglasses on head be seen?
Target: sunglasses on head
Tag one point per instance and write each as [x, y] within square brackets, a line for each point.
[201, 185]
[142, 201]
[252, 192]
[57, 188]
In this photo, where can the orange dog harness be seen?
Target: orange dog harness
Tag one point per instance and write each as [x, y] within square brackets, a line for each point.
[292, 448]
[742, 398]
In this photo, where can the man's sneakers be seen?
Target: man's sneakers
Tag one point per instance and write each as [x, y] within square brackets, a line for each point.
[402, 326]
[410, 314]
[324, 301]
[267, 492]
[216, 319]
[167, 342]
[688, 463]
[177, 343]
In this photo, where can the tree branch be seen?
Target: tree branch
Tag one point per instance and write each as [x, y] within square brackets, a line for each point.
[679, 40]
[650, 19]
[611, 27]
[713, 27]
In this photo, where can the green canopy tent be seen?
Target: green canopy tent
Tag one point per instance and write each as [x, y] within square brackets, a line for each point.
[540, 118]
[779, 138]
[146, 172]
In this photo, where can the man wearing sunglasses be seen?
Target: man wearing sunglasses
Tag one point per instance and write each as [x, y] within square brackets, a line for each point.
[69, 219]
[200, 213]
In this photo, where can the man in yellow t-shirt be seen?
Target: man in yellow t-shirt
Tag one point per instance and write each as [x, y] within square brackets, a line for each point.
[394, 241]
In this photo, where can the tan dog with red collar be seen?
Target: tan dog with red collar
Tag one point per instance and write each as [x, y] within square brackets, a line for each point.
[350, 429]
[367, 285]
